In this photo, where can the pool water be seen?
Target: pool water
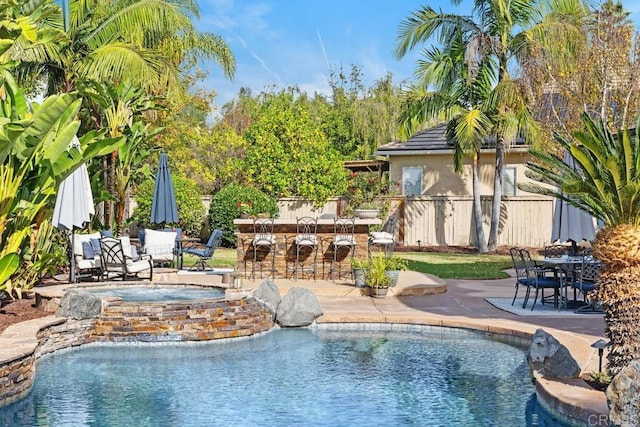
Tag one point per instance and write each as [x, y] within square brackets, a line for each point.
[160, 293]
[287, 377]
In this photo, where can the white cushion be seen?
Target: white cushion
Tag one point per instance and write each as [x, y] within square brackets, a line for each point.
[261, 239]
[160, 244]
[344, 240]
[381, 235]
[306, 240]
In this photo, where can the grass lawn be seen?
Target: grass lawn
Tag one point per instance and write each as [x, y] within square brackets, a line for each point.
[443, 265]
[458, 266]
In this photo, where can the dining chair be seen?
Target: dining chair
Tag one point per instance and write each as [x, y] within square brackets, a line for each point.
[534, 277]
[343, 238]
[586, 281]
[306, 244]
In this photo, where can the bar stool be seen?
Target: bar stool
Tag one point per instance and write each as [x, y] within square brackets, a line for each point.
[384, 239]
[263, 237]
[306, 237]
[343, 237]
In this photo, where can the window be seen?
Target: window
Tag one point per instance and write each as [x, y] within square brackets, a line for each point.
[412, 181]
[509, 182]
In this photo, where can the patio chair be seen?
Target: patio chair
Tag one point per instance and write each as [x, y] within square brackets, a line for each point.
[343, 238]
[534, 277]
[263, 243]
[585, 283]
[85, 255]
[306, 240]
[383, 239]
[116, 261]
[206, 253]
[160, 245]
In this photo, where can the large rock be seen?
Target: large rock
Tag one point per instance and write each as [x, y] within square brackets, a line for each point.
[623, 396]
[77, 304]
[550, 359]
[268, 296]
[299, 307]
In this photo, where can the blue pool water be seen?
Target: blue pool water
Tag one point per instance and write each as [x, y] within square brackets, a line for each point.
[155, 294]
[287, 377]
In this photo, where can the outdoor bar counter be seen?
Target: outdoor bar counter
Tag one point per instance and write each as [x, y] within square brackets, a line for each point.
[285, 249]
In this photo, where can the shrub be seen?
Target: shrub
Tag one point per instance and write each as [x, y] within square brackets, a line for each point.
[191, 211]
[228, 203]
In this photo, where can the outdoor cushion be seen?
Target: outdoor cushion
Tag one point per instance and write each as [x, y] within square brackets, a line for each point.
[264, 239]
[87, 251]
[77, 242]
[344, 240]
[160, 244]
[95, 243]
[307, 240]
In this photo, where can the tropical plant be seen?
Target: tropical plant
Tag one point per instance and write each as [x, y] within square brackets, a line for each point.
[146, 42]
[607, 186]
[376, 276]
[501, 32]
[229, 202]
[34, 158]
[396, 263]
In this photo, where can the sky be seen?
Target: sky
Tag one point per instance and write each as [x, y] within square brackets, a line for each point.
[297, 42]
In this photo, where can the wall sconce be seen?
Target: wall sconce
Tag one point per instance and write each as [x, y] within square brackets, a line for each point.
[600, 345]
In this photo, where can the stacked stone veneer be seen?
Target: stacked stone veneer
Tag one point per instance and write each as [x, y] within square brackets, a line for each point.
[16, 378]
[183, 321]
[132, 321]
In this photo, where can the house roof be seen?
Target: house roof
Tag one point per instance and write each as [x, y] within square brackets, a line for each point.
[431, 140]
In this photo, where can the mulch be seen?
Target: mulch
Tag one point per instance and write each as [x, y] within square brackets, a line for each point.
[15, 311]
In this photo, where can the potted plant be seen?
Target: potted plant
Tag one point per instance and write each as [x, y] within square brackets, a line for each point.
[376, 278]
[394, 265]
[359, 267]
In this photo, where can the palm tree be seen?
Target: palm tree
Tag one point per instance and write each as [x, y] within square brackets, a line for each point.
[149, 43]
[499, 34]
[607, 186]
[458, 99]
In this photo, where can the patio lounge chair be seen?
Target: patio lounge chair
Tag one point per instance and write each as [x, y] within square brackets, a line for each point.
[116, 261]
[86, 255]
[205, 254]
[160, 245]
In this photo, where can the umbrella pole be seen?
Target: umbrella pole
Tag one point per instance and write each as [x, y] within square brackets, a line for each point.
[72, 264]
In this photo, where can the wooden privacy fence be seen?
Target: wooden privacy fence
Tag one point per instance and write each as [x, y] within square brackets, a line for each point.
[448, 220]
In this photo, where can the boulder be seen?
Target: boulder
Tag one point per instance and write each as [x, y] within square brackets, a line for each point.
[550, 359]
[299, 307]
[623, 396]
[78, 304]
[268, 296]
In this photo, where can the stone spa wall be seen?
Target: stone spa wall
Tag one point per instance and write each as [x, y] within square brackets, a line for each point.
[122, 321]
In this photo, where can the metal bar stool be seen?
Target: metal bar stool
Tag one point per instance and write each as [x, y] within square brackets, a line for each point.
[383, 239]
[306, 237]
[343, 237]
[263, 237]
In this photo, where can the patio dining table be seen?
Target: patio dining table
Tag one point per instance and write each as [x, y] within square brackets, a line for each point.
[566, 266]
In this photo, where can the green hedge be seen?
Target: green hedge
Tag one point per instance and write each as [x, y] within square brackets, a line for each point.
[229, 203]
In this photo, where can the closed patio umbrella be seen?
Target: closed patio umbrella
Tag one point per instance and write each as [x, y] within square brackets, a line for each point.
[163, 207]
[571, 224]
[74, 205]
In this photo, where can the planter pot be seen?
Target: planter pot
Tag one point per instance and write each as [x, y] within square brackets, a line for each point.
[367, 213]
[359, 277]
[393, 275]
[378, 292]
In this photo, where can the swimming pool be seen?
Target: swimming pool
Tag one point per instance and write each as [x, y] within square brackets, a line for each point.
[436, 377]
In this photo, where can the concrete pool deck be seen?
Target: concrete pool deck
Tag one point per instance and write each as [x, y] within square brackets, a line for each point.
[425, 300]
